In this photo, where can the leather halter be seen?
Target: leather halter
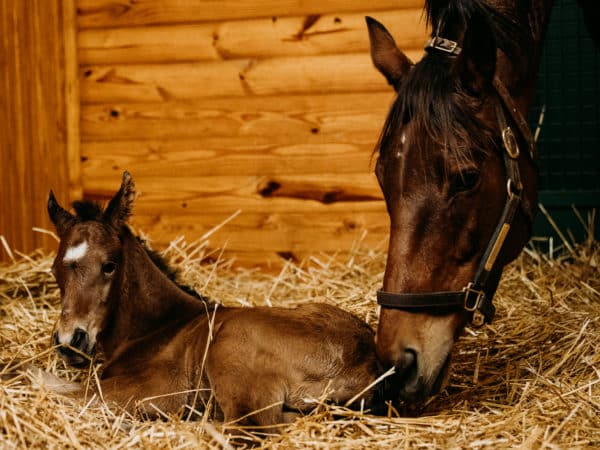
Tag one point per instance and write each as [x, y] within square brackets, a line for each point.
[477, 296]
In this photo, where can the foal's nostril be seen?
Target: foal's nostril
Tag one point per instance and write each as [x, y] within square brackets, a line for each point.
[55, 338]
[79, 340]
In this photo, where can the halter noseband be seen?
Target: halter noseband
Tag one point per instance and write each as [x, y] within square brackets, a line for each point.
[477, 296]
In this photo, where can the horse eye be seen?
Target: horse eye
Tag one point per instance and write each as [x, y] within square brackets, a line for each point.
[463, 182]
[108, 268]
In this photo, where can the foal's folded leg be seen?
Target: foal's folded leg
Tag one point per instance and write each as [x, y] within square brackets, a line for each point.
[151, 397]
[251, 401]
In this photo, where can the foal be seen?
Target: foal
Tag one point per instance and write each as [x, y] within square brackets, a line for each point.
[164, 348]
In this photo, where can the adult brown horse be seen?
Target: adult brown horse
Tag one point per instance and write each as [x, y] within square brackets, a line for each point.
[165, 349]
[457, 168]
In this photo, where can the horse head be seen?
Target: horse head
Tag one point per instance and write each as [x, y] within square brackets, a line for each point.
[459, 184]
[87, 267]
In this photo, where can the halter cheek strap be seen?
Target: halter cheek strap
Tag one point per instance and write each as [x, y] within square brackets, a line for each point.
[477, 296]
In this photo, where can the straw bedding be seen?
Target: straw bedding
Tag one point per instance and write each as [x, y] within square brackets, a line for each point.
[530, 380]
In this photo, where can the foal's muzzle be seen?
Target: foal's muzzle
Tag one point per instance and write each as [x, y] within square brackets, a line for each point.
[77, 352]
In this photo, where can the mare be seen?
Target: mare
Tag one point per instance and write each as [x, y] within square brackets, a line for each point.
[457, 167]
[165, 350]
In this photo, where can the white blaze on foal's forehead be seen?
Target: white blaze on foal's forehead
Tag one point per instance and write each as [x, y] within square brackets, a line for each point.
[76, 252]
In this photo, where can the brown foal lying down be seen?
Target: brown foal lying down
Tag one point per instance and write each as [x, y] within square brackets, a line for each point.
[166, 349]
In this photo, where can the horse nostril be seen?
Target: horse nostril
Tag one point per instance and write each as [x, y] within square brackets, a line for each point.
[407, 366]
[79, 340]
[409, 358]
[55, 338]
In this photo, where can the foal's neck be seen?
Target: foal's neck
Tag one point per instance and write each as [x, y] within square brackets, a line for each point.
[145, 300]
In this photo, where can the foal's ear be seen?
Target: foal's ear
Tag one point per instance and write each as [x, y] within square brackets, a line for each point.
[386, 56]
[60, 217]
[120, 206]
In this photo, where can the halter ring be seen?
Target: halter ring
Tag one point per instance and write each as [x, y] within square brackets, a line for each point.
[510, 143]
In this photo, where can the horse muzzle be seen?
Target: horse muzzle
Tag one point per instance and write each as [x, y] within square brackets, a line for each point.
[79, 351]
[417, 374]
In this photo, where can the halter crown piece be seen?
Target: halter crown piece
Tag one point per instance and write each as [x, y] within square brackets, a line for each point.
[477, 296]
[443, 45]
[451, 48]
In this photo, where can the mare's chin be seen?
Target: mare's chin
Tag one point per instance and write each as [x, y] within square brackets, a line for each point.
[397, 387]
[442, 379]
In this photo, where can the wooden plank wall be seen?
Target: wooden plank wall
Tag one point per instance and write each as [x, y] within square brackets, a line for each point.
[269, 107]
[38, 118]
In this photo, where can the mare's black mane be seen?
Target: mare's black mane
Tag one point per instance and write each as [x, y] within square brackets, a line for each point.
[92, 211]
[433, 96]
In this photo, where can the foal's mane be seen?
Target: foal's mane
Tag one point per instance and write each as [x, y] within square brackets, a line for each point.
[92, 211]
[432, 95]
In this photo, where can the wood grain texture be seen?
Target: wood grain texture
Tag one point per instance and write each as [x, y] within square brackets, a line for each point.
[220, 156]
[325, 74]
[301, 192]
[287, 119]
[71, 100]
[38, 126]
[111, 13]
[303, 215]
[269, 231]
[269, 108]
[243, 39]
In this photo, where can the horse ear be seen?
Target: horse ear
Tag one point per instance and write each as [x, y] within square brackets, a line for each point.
[476, 65]
[119, 208]
[386, 56]
[60, 217]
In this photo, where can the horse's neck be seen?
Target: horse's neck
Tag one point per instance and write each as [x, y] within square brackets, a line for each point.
[535, 21]
[144, 300]
[539, 18]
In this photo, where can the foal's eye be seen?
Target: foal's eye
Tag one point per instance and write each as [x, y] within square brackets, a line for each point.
[108, 268]
[463, 182]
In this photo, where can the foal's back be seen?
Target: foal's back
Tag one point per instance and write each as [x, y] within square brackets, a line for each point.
[287, 356]
[269, 360]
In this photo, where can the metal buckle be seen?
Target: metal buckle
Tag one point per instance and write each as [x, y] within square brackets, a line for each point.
[510, 143]
[468, 289]
[478, 318]
[444, 45]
